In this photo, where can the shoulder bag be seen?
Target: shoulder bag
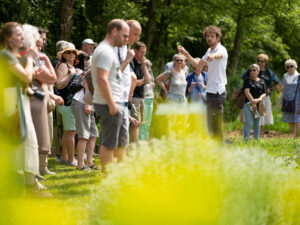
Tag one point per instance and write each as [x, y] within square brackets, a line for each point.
[239, 98]
[290, 106]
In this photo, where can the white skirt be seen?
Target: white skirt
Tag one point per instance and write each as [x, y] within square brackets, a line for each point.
[268, 119]
[31, 152]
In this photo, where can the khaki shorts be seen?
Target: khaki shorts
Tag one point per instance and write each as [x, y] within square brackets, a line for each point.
[139, 104]
[85, 124]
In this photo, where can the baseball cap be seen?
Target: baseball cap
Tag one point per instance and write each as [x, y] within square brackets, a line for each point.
[89, 41]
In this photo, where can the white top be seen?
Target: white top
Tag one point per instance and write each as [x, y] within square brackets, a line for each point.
[290, 78]
[105, 58]
[148, 88]
[216, 75]
[126, 79]
[79, 96]
[178, 82]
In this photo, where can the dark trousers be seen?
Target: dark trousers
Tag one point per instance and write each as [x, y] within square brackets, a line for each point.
[215, 110]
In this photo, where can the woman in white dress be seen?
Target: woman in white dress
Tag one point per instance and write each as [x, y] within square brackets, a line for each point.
[11, 40]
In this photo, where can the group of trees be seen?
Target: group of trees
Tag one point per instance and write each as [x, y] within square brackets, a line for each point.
[249, 27]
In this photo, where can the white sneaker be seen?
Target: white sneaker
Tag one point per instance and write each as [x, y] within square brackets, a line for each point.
[47, 171]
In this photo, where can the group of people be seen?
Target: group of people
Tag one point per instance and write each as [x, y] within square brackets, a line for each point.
[114, 83]
[258, 82]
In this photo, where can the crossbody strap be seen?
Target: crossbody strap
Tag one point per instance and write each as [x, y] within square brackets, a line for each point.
[297, 88]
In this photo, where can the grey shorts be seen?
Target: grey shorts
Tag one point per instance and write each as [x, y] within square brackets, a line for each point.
[139, 104]
[114, 128]
[85, 124]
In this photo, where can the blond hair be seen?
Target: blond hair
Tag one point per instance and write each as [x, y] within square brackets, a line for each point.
[263, 56]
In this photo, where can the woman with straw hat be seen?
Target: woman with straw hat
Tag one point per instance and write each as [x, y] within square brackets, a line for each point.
[66, 73]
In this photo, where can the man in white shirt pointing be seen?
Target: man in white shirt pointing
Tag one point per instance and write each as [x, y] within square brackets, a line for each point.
[216, 57]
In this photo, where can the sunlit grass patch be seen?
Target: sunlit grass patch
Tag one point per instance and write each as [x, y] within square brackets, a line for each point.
[287, 149]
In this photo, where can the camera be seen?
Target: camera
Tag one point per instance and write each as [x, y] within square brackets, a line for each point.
[37, 93]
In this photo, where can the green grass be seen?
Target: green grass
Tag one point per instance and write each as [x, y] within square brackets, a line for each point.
[70, 183]
[287, 149]
[171, 181]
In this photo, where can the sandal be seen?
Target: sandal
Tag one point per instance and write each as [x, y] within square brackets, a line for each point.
[74, 163]
[63, 162]
[94, 167]
[85, 167]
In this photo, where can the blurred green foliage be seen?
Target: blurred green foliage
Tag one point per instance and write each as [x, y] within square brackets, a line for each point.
[271, 27]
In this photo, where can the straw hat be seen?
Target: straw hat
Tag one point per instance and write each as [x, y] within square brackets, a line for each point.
[68, 47]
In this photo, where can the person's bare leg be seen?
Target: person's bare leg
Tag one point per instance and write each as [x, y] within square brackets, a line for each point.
[106, 156]
[292, 129]
[261, 130]
[297, 129]
[81, 146]
[70, 141]
[64, 154]
[90, 150]
[120, 154]
[134, 133]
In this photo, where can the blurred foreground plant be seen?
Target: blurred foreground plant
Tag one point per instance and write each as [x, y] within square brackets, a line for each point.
[194, 180]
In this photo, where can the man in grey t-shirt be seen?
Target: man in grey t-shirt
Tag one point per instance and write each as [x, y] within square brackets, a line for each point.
[108, 93]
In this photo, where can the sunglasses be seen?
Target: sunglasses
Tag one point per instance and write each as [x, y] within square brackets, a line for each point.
[260, 61]
[178, 60]
[70, 52]
[253, 70]
[291, 66]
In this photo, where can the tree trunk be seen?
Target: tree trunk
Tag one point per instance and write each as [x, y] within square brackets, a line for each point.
[151, 23]
[235, 54]
[162, 38]
[65, 19]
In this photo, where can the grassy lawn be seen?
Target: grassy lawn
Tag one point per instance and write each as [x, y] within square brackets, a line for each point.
[72, 190]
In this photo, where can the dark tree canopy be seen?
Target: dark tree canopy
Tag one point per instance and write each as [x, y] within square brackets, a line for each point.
[249, 27]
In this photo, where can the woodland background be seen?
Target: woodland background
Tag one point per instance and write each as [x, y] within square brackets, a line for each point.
[249, 28]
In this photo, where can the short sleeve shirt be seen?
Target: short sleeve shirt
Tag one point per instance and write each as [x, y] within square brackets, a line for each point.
[137, 68]
[126, 81]
[8, 58]
[105, 58]
[197, 89]
[178, 82]
[216, 75]
[257, 88]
